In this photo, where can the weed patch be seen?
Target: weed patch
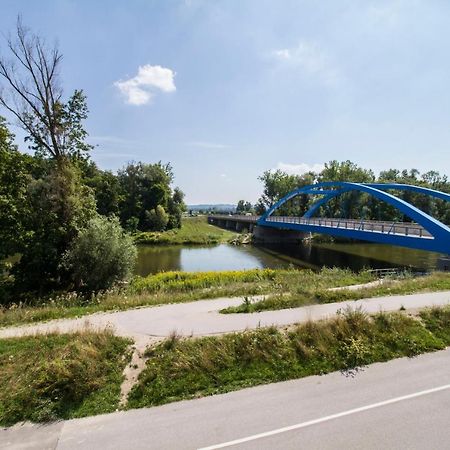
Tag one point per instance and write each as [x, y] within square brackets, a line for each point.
[48, 377]
[181, 369]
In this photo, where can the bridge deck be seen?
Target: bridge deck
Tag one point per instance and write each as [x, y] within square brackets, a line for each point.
[394, 228]
[374, 226]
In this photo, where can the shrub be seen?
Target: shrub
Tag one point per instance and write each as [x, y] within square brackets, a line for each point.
[157, 219]
[101, 255]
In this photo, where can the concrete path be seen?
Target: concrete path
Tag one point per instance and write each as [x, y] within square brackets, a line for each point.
[202, 317]
[404, 403]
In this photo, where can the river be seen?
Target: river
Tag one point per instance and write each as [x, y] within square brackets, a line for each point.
[153, 259]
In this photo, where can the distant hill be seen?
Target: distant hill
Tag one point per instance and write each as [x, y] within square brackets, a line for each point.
[211, 207]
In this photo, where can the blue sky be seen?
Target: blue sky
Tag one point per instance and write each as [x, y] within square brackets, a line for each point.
[224, 90]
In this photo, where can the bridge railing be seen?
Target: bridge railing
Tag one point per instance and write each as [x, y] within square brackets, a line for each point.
[397, 228]
[235, 217]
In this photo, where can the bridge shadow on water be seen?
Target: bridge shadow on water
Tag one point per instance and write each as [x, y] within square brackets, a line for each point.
[352, 255]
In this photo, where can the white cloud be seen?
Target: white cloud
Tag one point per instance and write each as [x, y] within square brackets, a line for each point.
[309, 57]
[299, 169]
[208, 145]
[283, 53]
[140, 89]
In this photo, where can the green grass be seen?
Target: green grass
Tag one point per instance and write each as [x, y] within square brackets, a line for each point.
[48, 377]
[308, 294]
[286, 289]
[178, 287]
[437, 320]
[189, 368]
[193, 231]
[192, 281]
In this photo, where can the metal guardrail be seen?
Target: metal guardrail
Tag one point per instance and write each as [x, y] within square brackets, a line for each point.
[375, 226]
[396, 228]
[235, 218]
[386, 272]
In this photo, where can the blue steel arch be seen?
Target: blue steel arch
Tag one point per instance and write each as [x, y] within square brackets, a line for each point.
[440, 232]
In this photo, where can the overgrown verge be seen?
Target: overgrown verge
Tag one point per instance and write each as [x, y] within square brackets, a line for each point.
[309, 294]
[177, 287]
[48, 377]
[193, 231]
[188, 368]
[289, 288]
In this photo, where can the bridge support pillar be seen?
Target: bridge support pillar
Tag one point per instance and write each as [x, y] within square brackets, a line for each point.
[268, 235]
[444, 263]
[241, 227]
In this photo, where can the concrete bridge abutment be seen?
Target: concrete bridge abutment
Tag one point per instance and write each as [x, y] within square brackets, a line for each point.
[268, 235]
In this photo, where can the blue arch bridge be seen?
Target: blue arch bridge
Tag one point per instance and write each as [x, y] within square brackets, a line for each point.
[424, 232]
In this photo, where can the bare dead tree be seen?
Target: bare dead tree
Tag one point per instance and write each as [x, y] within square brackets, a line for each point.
[32, 93]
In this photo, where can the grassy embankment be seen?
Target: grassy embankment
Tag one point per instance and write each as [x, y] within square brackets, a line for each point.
[310, 294]
[189, 368]
[63, 376]
[43, 378]
[178, 287]
[289, 288]
[193, 231]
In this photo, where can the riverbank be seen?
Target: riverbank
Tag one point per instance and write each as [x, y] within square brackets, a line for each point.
[180, 287]
[193, 231]
[300, 287]
[406, 284]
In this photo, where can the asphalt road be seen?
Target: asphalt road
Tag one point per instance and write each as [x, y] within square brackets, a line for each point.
[401, 404]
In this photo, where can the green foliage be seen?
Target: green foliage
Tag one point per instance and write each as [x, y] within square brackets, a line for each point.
[189, 281]
[437, 320]
[56, 376]
[277, 184]
[145, 192]
[289, 288]
[60, 207]
[106, 188]
[14, 206]
[31, 91]
[193, 231]
[100, 255]
[244, 207]
[315, 289]
[180, 369]
[354, 204]
[156, 219]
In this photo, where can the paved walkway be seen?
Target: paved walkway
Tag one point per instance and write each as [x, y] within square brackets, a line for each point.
[202, 317]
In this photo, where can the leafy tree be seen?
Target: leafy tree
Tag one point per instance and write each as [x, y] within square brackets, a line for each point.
[14, 206]
[144, 187]
[240, 208]
[106, 187]
[176, 207]
[32, 93]
[244, 207]
[157, 219]
[352, 204]
[60, 207]
[100, 256]
[345, 171]
[278, 184]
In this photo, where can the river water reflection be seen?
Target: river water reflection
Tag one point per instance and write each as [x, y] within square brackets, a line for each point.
[153, 259]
